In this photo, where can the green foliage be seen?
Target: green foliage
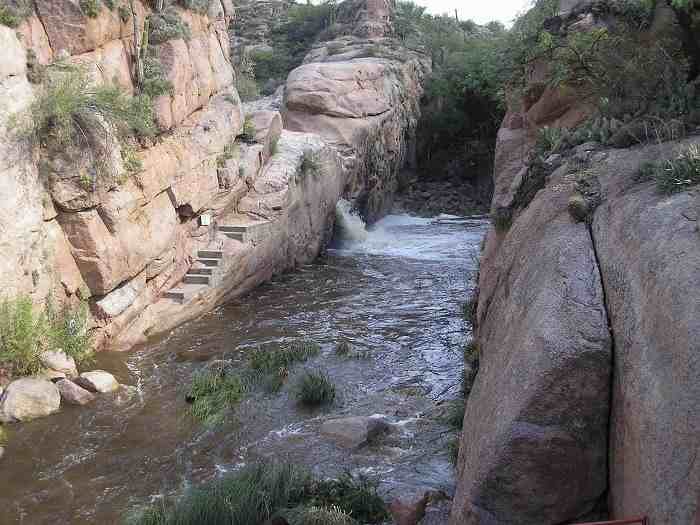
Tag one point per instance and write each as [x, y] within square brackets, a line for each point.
[455, 414]
[248, 131]
[270, 359]
[124, 13]
[274, 146]
[198, 6]
[343, 348]
[90, 8]
[315, 388]
[453, 450]
[317, 516]
[310, 164]
[249, 496]
[212, 393]
[677, 174]
[155, 82]
[502, 218]
[355, 495]
[26, 332]
[167, 25]
[3, 436]
[13, 12]
[271, 67]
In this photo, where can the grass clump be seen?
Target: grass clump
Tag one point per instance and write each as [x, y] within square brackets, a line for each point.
[267, 360]
[248, 131]
[343, 348]
[674, 175]
[212, 393]
[317, 516]
[25, 333]
[155, 83]
[355, 495]
[90, 8]
[250, 496]
[315, 388]
[471, 366]
[167, 25]
[310, 164]
[13, 12]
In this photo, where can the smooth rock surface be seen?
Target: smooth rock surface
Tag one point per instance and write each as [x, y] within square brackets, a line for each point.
[354, 432]
[60, 362]
[98, 381]
[73, 394]
[29, 398]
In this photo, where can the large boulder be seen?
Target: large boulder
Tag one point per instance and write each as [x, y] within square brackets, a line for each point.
[98, 381]
[73, 394]
[534, 449]
[354, 432]
[29, 398]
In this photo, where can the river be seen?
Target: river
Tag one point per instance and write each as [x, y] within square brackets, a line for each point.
[395, 293]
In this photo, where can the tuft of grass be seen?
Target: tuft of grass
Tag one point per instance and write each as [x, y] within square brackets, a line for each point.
[355, 495]
[124, 13]
[68, 331]
[310, 164]
[250, 496]
[248, 131]
[274, 146]
[343, 348]
[453, 450]
[315, 388]
[167, 25]
[317, 516]
[471, 366]
[678, 174]
[90, 8]
[271, 359]
[455, 414]
[212, 393]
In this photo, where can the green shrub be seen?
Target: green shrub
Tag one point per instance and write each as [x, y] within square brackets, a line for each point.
[124, 13]
[155, 82]
[315, 388]
[247, 88]
[455, 414]
[310, 164]
[471, 366]
[13, 12]
[355, 495]
[343, 348]
[502, 219]
[677, 174]
[250, 496]
[578, 207]
[274, 146]
[22, 335]
[270, 359]
[68, 331]
[212, 393]
[248, 131]
[167, 25]
[317, 516]
[90, 8]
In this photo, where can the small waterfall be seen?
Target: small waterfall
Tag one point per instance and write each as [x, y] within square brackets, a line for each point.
[349, 225]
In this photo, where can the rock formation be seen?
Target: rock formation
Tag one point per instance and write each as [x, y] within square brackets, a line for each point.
[587, 394]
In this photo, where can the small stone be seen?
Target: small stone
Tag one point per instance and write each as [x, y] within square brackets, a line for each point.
[354, 432]
[73, 394]
[98, 381]
[29, 398]
[60, 362]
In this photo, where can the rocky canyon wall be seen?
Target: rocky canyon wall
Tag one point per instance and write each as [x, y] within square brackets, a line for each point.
[214, 209]
[586, 402]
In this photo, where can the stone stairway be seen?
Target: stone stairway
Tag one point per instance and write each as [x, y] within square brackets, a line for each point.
[202, 272]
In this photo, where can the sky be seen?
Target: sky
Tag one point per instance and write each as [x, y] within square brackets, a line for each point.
[481, 11]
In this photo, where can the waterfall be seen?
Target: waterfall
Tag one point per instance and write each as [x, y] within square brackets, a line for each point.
[349, 225]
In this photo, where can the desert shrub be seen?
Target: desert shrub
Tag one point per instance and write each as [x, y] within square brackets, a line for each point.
[22, 335]
[13, 12]
[314, 388]
[90, 8]
[271, 66]
[154, 82]
[677, 174]
[310, 164]
[248, 131]
[212, 393]
[502, 218]
[124, 13]
[167, 25]
[317, 516]
[355, 495]
[246, 83]
[274, 146]
[578, 207]
[249, 496]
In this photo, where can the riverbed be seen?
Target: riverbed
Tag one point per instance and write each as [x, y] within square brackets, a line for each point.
[394, 292]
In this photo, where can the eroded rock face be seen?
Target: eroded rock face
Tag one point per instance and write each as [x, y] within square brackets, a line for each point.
[28, 398]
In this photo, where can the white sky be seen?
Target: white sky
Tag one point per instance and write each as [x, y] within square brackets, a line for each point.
[481, 11]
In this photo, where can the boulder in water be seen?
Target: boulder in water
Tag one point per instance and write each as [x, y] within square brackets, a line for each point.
[98, 381]
[354, 432]
[73, 394]
[60, 362]
[29, 398]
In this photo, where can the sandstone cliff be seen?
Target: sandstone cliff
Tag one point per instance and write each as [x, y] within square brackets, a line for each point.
[586, 402]
[214, 209]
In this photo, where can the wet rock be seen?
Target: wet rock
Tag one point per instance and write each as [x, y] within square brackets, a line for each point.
[98, 381]
[60, 362]
[29, 398]
[73, 394]
[354, 432]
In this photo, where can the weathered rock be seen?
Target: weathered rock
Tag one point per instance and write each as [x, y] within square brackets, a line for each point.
[354, 432]
[29, 398]
[268, 128]
[535, 449]
[408, 513]
[98, 381]
[73, 394]
[59, 361]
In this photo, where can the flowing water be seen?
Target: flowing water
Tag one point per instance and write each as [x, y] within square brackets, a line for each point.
[395, 293]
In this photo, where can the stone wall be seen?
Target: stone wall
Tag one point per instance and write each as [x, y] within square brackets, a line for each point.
[586, 403]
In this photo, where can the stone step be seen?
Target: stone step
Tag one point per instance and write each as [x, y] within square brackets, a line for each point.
[210, 254]
[176, 295]
[184, 292]
[201, 271]
[196, 279]
[253, 231]
[209, 262]
[236, 236]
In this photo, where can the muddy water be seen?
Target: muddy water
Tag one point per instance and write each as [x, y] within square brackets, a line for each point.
[395, 293]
